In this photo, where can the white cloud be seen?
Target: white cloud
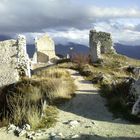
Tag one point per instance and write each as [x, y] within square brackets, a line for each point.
[36, 15]
[67, 21]
[101, 12]
[122, 33]
[63, 37]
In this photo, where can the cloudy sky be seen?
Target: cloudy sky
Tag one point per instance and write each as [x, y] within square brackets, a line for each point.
[70, 20]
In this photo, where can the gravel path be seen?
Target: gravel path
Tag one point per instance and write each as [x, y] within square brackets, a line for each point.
[85, 117]
[95, 121]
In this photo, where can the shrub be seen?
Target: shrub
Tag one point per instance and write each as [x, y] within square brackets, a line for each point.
[118, 100]
[47, 119]
[80, 59]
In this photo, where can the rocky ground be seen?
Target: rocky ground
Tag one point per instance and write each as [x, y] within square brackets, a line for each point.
[85, 117]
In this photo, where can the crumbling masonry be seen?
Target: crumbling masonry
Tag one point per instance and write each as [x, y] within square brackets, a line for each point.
[100, 42]
[14, 60]
[45, 49]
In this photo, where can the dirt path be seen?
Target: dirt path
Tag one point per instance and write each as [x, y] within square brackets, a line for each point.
[90, 118]
[95, 122]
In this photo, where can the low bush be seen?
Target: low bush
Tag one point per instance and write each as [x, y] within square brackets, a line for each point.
[47, 119]
[80, 59]
[118, 100]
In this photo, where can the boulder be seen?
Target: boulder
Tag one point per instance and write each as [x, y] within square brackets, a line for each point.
[135, 89]
[136, 108]
[135, 96]
[11, 128]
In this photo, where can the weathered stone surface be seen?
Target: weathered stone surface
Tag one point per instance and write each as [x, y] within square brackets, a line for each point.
[135, 89]
[8, 62]
[13, 60]
[136, 108]
[45, 49]
[22, 56]
[100, 42]
[56, 136]
[105, 40]
[11, 128]
[95, 50]
[135, 94]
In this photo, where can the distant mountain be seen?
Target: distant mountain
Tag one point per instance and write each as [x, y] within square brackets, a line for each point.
[4, 37]
[65, 49]
[30, 50]
[130, 51]
[62, 50]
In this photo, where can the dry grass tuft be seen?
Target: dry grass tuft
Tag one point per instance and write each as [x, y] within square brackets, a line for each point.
[54, 73]
[23, 101]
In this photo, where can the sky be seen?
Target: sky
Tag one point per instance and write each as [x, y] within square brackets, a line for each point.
[70, 20]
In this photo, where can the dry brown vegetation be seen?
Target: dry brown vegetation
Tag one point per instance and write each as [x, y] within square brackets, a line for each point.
[23, 102]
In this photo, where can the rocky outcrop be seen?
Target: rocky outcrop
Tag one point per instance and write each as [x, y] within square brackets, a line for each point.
[135, 94]
[100, 42]
[136, 108]
[45, 49]
[14, 60]
[134, 70]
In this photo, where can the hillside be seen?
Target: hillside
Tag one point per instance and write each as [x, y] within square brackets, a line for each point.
[130, 51]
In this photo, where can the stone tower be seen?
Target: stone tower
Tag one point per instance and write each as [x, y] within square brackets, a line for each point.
[100, 43]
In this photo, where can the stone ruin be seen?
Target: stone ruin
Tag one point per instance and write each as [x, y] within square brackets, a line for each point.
[14, 60]
[45, 49]
[100, 43]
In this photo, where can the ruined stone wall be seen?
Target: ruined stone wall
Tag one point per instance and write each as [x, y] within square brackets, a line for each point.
[100, 42]
[13, 60]
[22, 56]
[45, 49]
[95, 51]
[8, 62]
[105, 39]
